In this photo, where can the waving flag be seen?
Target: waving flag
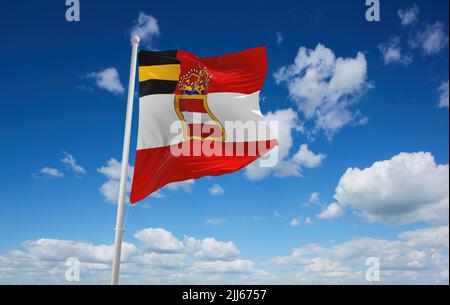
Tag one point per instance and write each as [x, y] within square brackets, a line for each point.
[197, 117]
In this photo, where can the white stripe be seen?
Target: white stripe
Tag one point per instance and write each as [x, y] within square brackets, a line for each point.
[157, 116]
[196, 117]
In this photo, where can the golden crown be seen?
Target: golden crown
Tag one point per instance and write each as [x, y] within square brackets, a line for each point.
[195, 81]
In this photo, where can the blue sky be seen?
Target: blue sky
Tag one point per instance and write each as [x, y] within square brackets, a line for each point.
[62, 120]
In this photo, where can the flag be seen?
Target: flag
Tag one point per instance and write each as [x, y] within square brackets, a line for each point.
[197, 117]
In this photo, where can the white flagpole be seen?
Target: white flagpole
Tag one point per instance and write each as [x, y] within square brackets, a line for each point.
[123, 174]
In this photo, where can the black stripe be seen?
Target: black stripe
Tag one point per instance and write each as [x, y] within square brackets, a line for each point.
[156, 86]
[150, 58]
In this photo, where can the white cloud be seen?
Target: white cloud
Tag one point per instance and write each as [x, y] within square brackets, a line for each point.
[326, 266]
[162, 260]
[325, 87]
[216, 190]
[113, 168]
[211, 249]
[409, 16]
[162, 241]
[156, 257]
[214, 221]
[418, 256]
[333, 210]
[110, 189]
[70, 162]
[280, 38]
[286, 166]
[415, 256]
[147, 28]
[314, 198]
[49, 172]
[432, 39]
[308, 221]
[158, 240]
[186, 185]
[306, 158]
[295, 222]
[443, 94]
[287, 123]
[427, 238]
[56, 249]
[108, 79]
[392, 52]
[238, 266]
[410, 187]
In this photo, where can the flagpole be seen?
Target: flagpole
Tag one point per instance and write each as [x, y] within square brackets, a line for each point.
[123, 174]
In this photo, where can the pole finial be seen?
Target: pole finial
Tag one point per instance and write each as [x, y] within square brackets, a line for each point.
[135, 39]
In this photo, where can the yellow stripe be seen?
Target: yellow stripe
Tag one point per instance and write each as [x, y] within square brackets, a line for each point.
[163, 72]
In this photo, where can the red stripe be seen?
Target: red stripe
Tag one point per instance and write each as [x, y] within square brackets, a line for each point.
[157, 167]
[204, 130]
[192, 105]
[241, 72]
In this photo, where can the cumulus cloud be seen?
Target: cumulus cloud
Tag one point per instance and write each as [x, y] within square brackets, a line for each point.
[158, 252]
[306, 158]
[409, 16]
[113, 168]
[393, 53]
[158, 240]
[326, 87]
[408, 188]
[287, 120]
[162, 241]
[432, 39]
[443, 95]
[48, 172]
[147, 28]
[71, 163]
[162, 260]
[287, 166]
[236, 266]
[295, 222]
[110, 189]
[56, 249]
[211, 249]
[107, 79]
[333, 210]
[216, 190]
[415, 256]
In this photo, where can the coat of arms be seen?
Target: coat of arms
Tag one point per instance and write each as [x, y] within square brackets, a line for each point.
[191, 106]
